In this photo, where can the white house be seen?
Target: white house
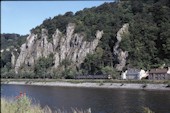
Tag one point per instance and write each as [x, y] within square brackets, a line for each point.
[134, 74]
[123, 75]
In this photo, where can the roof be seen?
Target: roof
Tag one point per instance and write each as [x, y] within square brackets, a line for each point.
[158, 70]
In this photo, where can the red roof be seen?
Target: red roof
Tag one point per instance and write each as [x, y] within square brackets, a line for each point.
[158, 70]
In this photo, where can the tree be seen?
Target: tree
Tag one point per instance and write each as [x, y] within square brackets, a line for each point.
[111, 71]
[42, 66]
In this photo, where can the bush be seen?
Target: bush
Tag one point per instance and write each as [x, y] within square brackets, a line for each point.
[147, 110]
[69, 73]
[23, 103]
[111, 71]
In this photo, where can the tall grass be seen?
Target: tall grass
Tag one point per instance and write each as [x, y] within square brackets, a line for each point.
[23, 104]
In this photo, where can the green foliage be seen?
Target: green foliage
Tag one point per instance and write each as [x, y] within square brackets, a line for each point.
[147, 42]
[5, 73]
[111, 71]
[69, 73]
[24, 105]
[42, 65]
[91, 64]
[57, 74]
[87, 21]
[6, 60]
[66, 62]
[25, 74]
[9, 40]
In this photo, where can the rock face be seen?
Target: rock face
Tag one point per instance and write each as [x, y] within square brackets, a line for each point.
[70, 46]
[121, 55]
[12, 59]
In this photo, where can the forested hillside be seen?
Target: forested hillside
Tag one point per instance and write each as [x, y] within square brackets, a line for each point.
[9, 43]
[148, 41]
[12, 40]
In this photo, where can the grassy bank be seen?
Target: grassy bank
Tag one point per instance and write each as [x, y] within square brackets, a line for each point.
[87, 80]
[119, 84]
[22, 104]
[8, 106]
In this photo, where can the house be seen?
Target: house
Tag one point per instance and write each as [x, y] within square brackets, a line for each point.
[134, 74]
[159, 74]
[123, 75]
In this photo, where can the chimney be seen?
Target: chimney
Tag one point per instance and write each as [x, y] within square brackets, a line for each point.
[168, 70]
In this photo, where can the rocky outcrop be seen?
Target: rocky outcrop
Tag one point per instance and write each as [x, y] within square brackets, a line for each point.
[12, 59]
[121, 55]
[70, 46]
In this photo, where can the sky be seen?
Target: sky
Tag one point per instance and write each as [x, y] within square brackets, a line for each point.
[21, 16]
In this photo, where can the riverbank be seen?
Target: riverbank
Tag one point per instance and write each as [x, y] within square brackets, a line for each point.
[23, 104]
[95, 84]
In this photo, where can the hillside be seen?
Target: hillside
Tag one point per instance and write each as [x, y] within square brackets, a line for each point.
[132, 34]
[12, 40]
[9, 43]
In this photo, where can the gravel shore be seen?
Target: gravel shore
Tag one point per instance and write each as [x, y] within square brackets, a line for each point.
[97, 85]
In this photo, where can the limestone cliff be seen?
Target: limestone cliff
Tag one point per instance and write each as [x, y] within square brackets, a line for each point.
[63, 46]
[121, 55]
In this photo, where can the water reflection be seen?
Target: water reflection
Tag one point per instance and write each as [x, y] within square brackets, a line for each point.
[99, 100]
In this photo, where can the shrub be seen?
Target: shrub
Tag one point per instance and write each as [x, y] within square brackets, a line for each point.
[111, 71]
[23, 103]
[147, 110]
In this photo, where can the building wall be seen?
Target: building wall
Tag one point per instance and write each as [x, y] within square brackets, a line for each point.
[132, 76]
[159, 76]
[168, 77]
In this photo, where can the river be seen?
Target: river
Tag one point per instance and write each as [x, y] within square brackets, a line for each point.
[99, 100]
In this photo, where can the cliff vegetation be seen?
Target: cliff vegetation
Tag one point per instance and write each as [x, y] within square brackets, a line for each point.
[133, 33]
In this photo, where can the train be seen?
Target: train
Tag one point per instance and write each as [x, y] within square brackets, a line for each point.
[104, 76]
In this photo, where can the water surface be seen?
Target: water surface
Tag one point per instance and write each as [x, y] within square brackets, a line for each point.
[99, 100]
